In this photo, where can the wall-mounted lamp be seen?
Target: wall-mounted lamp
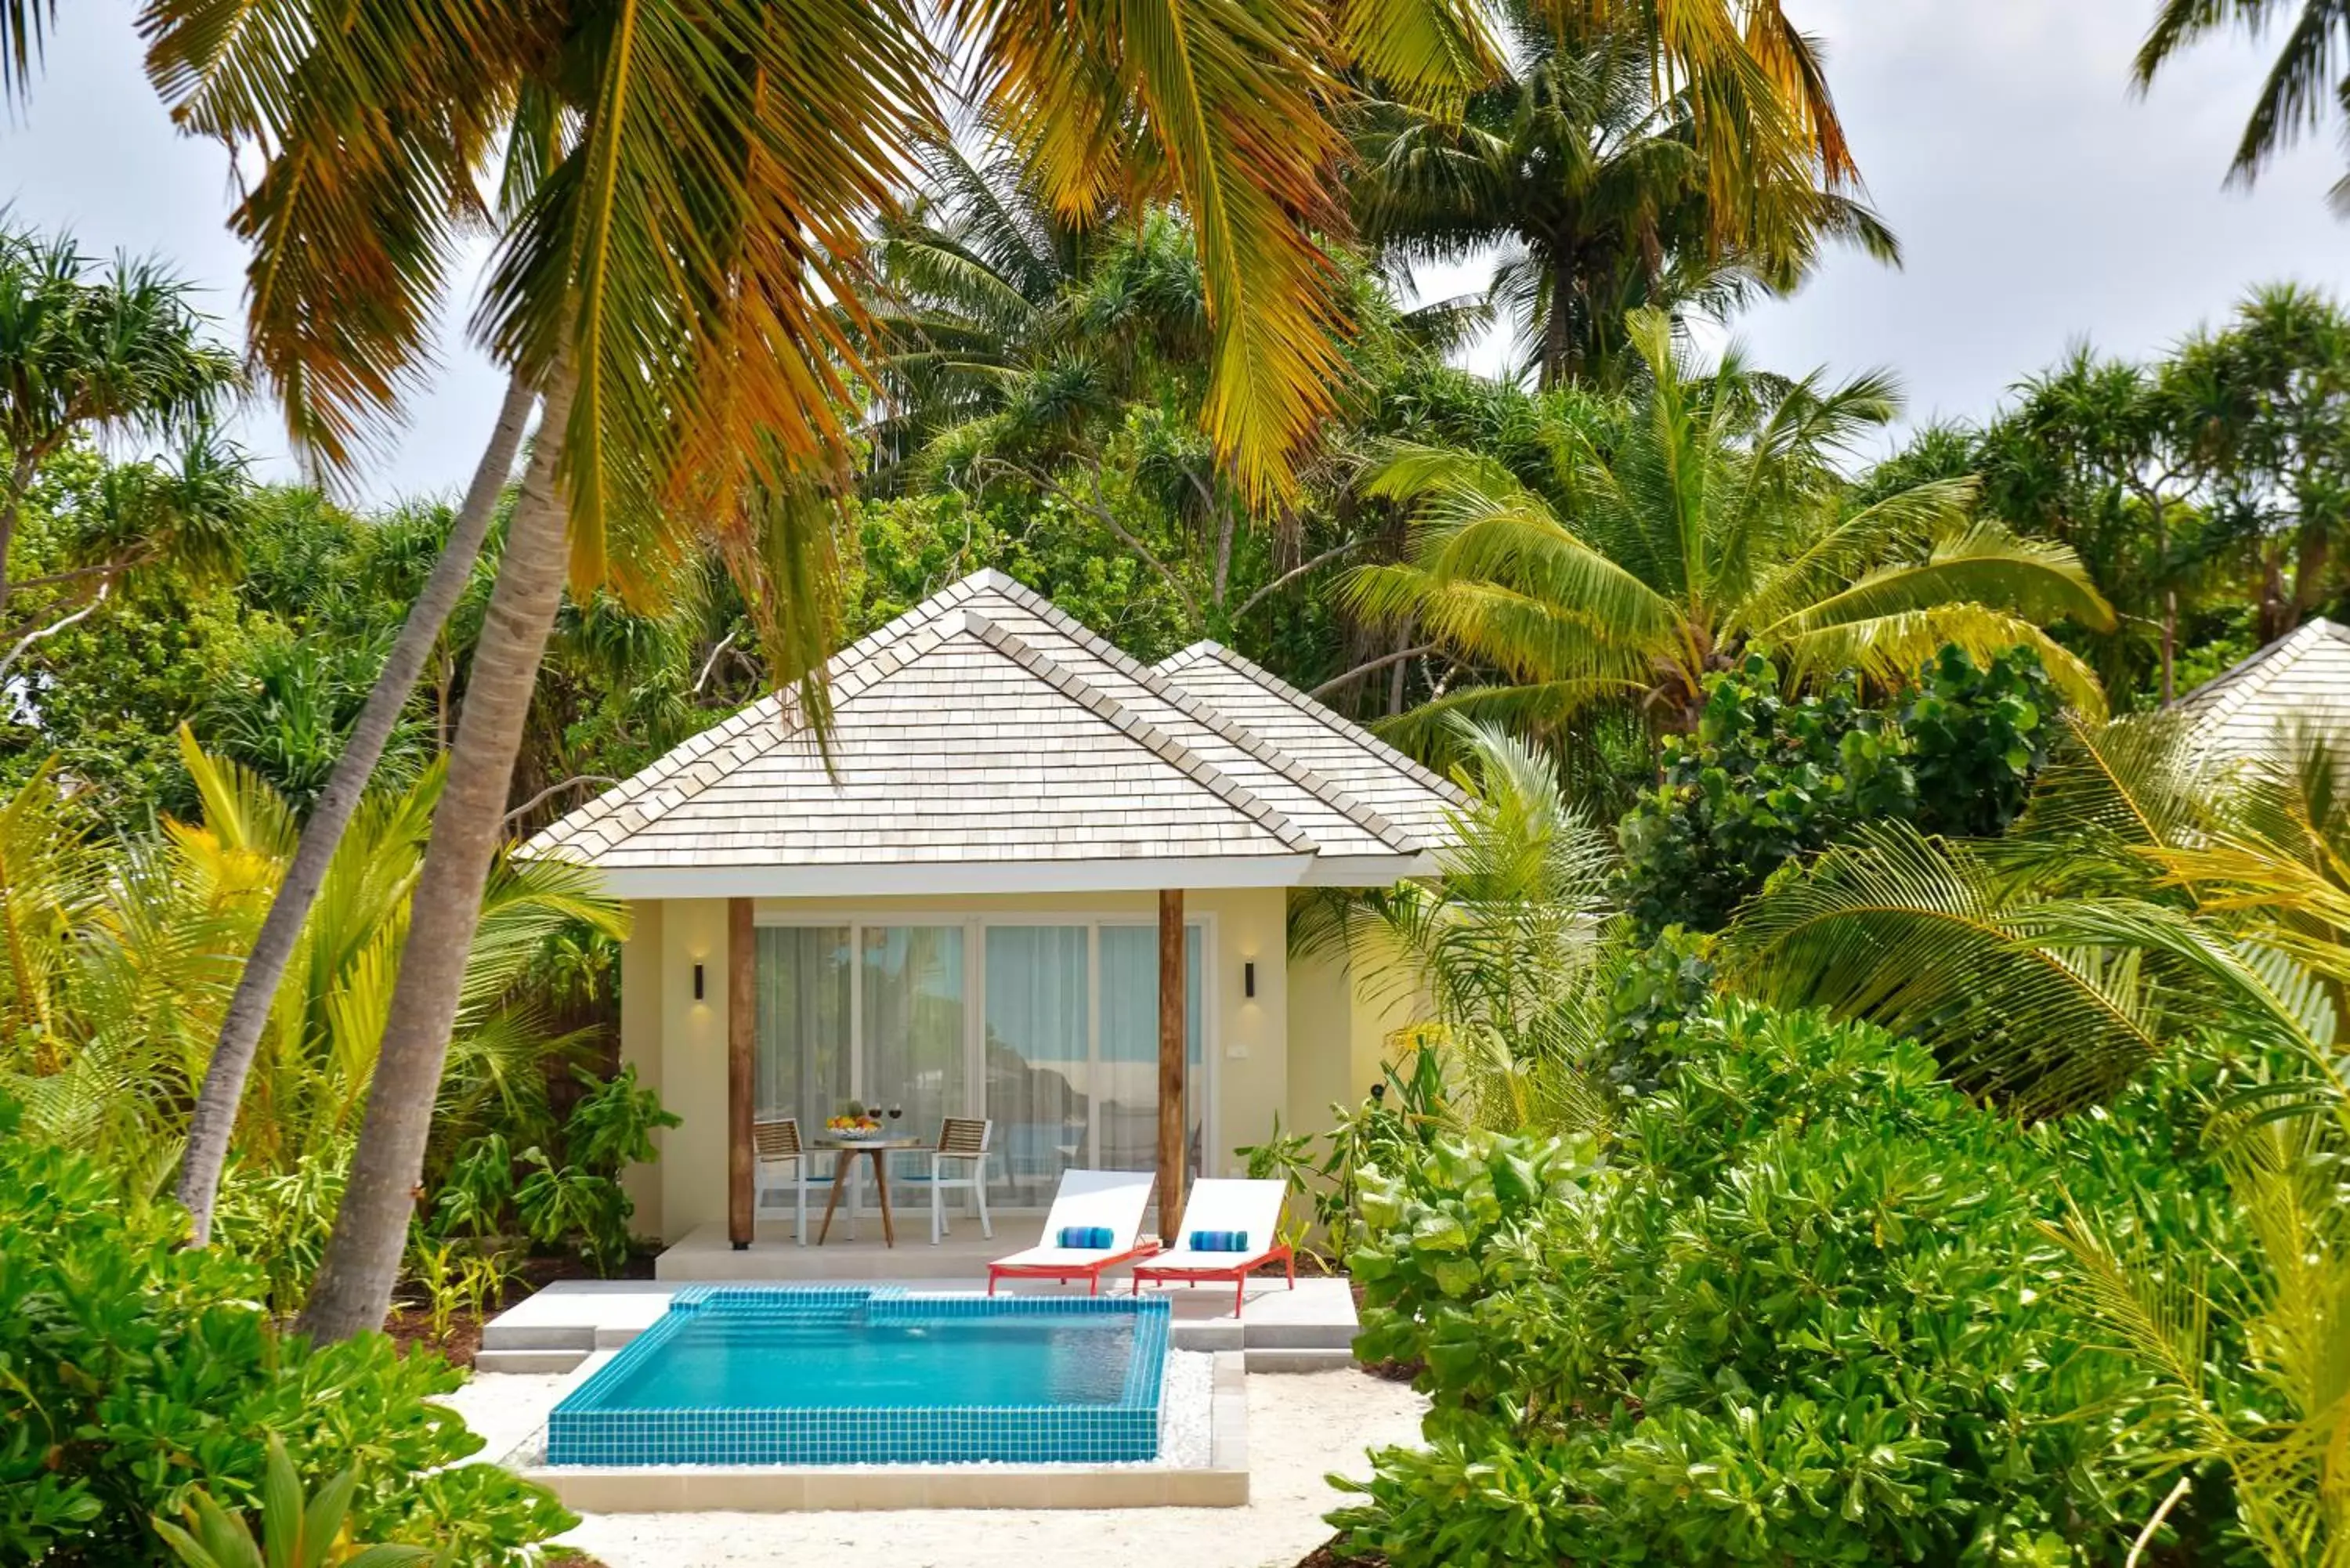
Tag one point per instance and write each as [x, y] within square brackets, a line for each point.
[1248, 978]
[697, 982]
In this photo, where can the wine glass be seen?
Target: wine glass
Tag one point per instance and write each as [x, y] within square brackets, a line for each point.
[897, 1111]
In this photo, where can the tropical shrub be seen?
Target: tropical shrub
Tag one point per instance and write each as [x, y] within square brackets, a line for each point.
[1762, 781]
[1765, 781]
[1652, 991]
[1803, 1311]
[296, 1531]
[572, 1196]
[1978, 736]
[136, 1373]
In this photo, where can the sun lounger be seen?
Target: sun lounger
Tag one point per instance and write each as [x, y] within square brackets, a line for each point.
[1231, 1229]
[1097, 1206]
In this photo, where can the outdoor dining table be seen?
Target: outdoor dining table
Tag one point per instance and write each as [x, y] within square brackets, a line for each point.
[848, 1149]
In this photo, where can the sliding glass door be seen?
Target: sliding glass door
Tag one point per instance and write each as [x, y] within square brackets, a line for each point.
[1127, 1118]
[804, 1068]
[1040, 1078]
[911, 1027]
[1049, 1028]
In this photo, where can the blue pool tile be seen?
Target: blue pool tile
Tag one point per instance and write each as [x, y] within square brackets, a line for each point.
[601, 1423]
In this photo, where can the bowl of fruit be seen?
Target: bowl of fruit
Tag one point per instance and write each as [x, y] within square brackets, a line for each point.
[857, 1125]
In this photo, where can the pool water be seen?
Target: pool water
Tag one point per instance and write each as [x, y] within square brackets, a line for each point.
[725, 1360]
[748, 1376]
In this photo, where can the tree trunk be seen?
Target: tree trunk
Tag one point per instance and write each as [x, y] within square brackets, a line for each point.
[362, 1263]
[1172, 1036]
[214, 1119]
[2169, 646]
[1558, 344]
[742, 1053]
[20, 479]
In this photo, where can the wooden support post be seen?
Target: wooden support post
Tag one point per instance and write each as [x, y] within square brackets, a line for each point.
[742, 1031]
[1173, 1141]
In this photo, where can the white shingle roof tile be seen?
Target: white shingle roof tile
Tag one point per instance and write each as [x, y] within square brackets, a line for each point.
[985, 726]
[2301, 680]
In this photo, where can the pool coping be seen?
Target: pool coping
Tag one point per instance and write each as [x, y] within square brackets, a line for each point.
[1222, 1482]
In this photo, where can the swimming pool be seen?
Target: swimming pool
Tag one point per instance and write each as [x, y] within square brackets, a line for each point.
[744, 1375]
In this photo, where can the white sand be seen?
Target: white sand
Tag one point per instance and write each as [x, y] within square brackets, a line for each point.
[1300, 1430]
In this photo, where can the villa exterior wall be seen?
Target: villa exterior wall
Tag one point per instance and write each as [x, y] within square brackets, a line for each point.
[1280, 1051]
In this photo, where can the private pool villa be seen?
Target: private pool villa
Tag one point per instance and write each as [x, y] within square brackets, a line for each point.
[965, 1018]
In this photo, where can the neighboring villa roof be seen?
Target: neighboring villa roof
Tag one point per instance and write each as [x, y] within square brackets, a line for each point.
[986, 741]
[2301, 680]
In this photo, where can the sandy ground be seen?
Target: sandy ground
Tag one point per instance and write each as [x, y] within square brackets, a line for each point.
[1300, 1430]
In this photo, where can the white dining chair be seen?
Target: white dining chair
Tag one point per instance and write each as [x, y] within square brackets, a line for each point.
[963, 1140]
[773, 1146]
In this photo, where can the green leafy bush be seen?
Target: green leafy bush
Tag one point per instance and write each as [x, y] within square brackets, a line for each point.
[1761, 781]
[133, 1372]
[1801, 1313]
[571, 1198]
[1977, 737]
[1764, 782]
[1651, 992]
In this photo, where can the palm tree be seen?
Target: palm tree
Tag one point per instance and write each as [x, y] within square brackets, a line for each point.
[2267, 405]
[1500, 948]
[1704, 517]
[117, 959]
[2109, 456]
[684, 202]
[2302, 86]
[1598, 193]
[118, 353]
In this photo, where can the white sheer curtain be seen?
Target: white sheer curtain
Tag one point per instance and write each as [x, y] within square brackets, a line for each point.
[1037, 1074]
[802, 1066]
[1129, 1073]
[913, 1026]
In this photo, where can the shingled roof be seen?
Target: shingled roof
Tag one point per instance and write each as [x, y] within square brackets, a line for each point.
[2299, 680]
[985, 741]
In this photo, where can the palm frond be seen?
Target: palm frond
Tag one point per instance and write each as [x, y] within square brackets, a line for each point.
[1919, 935]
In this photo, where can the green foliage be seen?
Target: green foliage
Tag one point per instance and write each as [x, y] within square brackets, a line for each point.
[1803, 1312]
[137, 1372]
[612, 1125]
[1763, 780]
[559, 1203]
[478, 1191]
[1409, 1107]
[573, 1200]
[296, 1532]
[1651, 992]
[1766, 781]
[1978, 736]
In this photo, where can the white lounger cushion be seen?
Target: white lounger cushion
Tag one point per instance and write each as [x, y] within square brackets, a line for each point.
[1223, 1203]
[1112, 1200]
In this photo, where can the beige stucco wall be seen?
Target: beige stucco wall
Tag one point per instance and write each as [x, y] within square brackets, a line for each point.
[692, 1044]
[1337, 1039]
[1280, 1052]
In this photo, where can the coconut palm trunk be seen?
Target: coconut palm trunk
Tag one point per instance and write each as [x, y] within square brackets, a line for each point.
[362, 1262]
[214, 1119]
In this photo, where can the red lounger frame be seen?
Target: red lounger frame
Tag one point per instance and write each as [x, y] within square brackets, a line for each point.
[1091, 1272]
[1237, 1275]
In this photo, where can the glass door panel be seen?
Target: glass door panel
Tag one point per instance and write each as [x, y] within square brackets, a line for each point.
[1128, 1082]
[1038, 1078]
[912, 1024]
[802, 1066]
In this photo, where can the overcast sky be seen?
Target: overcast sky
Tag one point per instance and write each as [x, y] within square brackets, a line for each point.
[2035, 199]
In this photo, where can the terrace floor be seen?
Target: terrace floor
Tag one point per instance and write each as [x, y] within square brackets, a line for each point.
[1311, 1328]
